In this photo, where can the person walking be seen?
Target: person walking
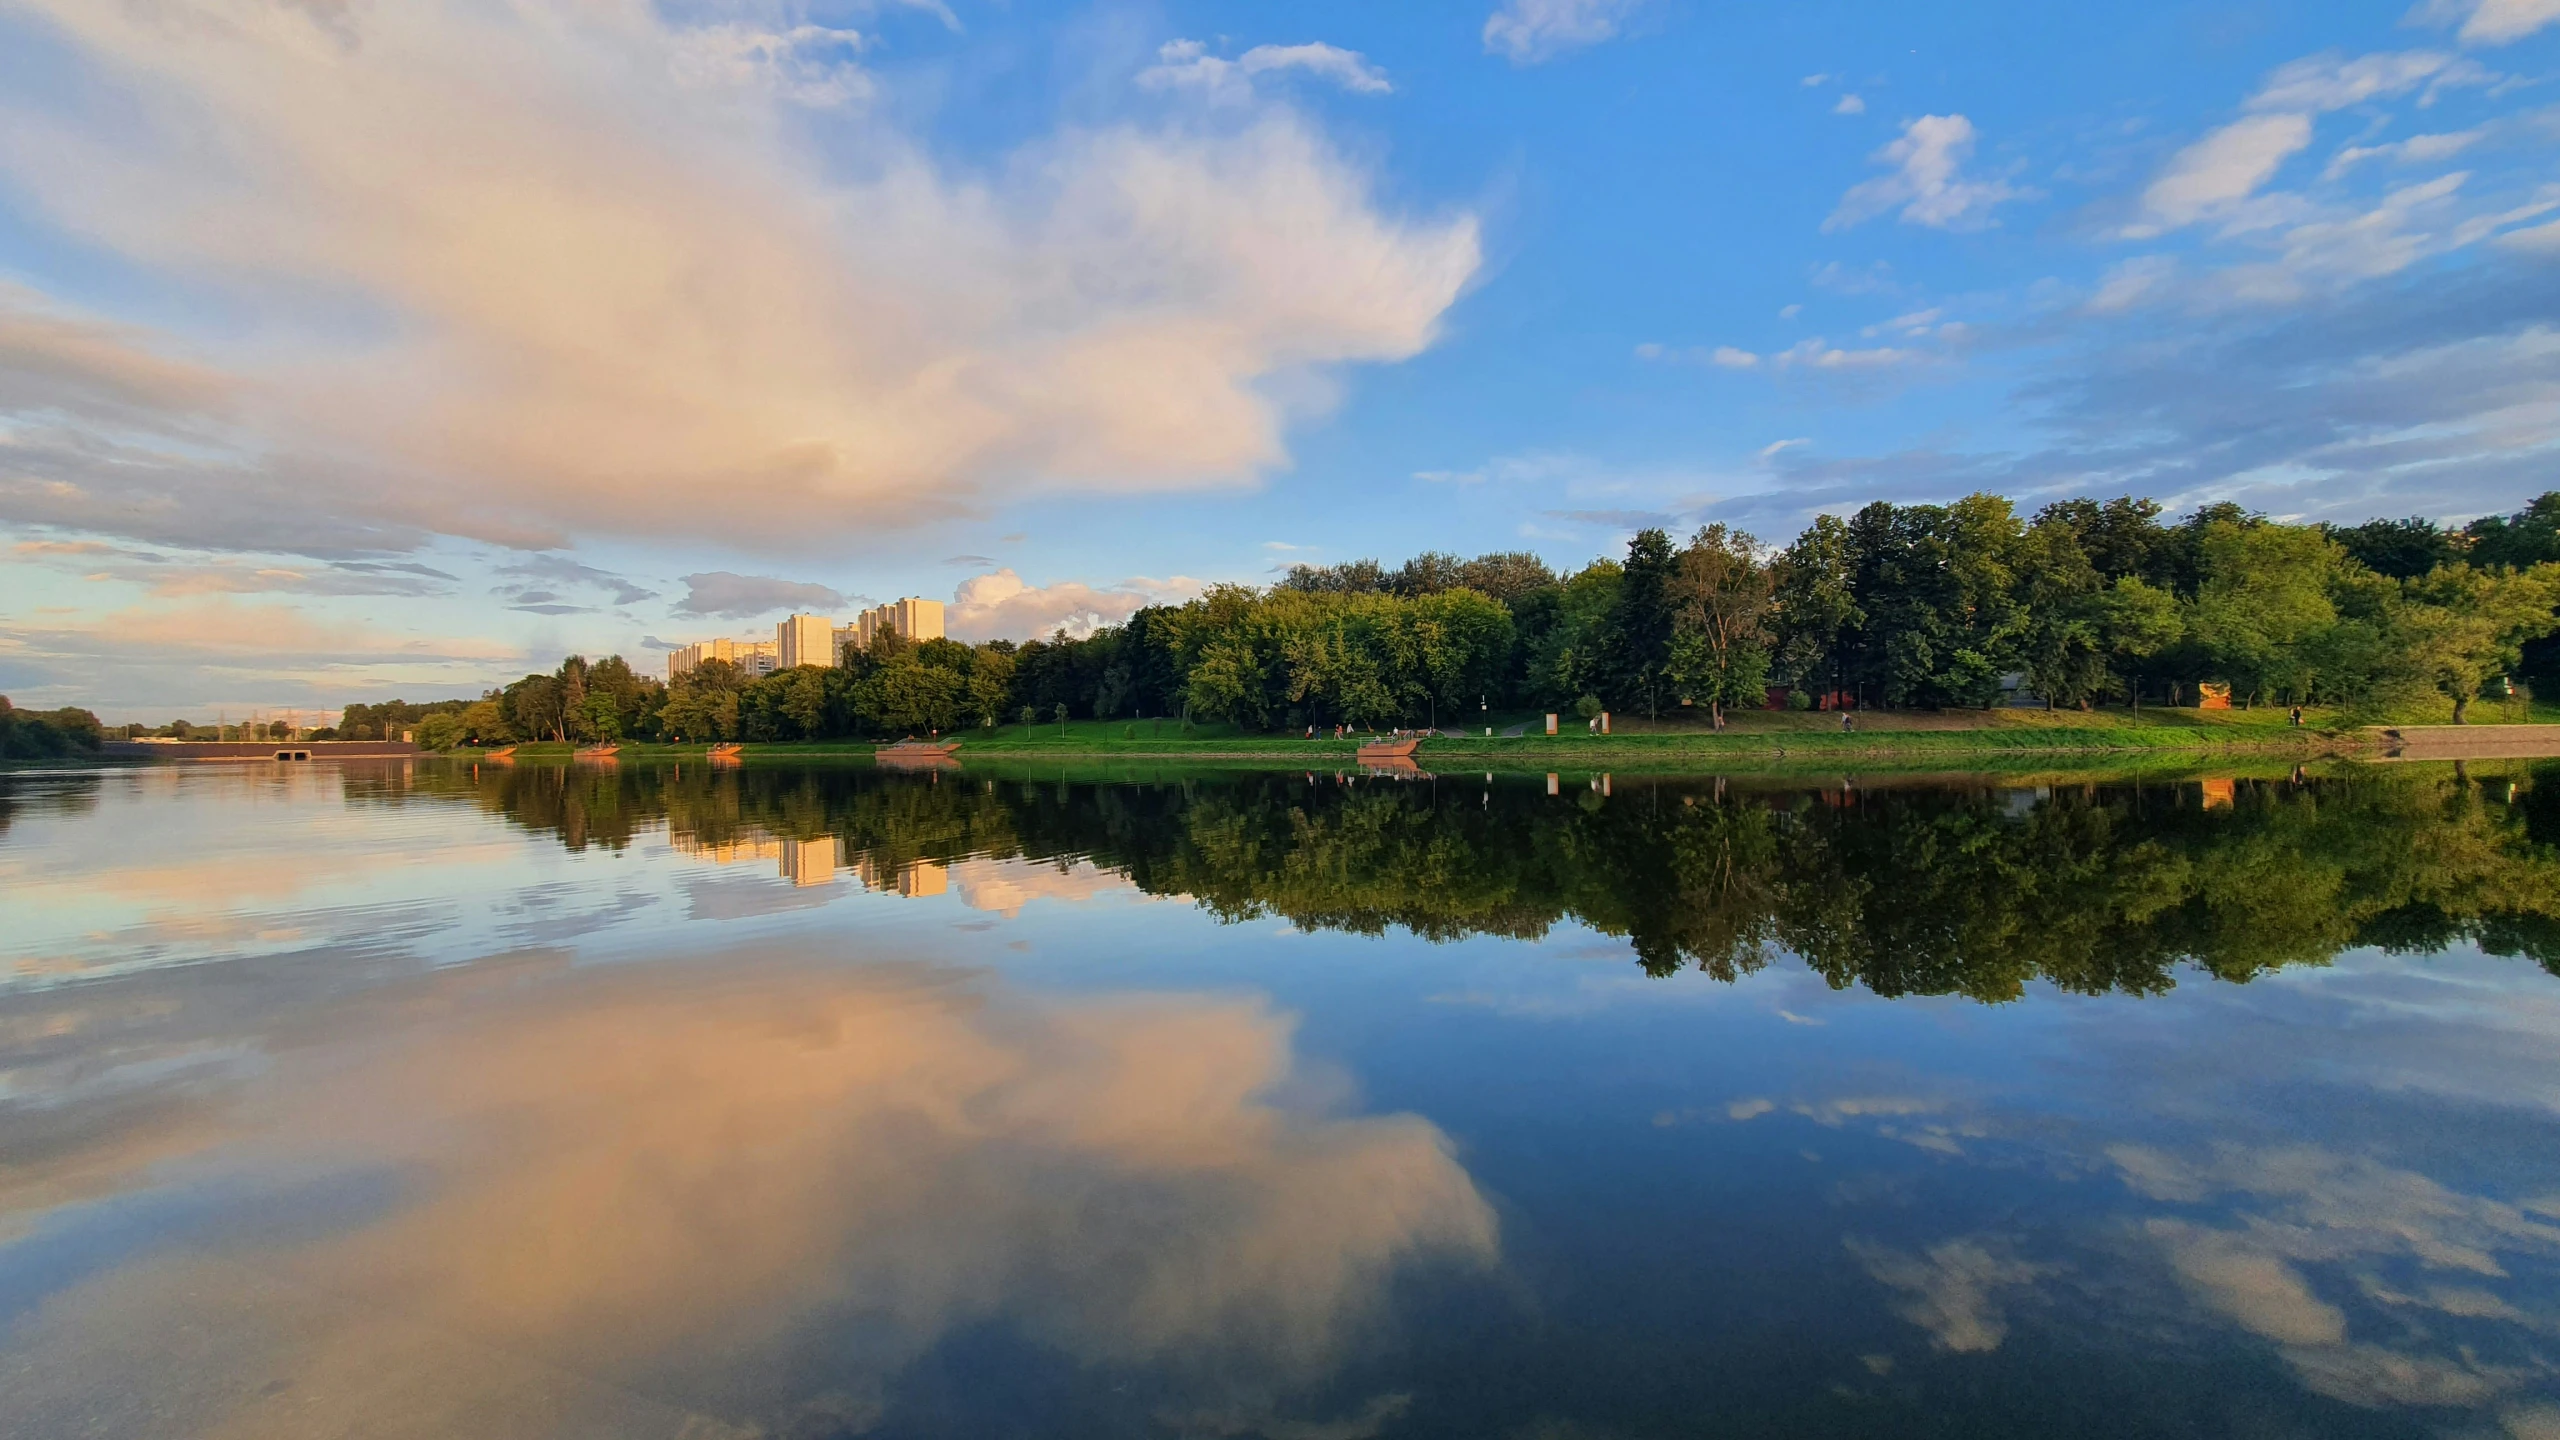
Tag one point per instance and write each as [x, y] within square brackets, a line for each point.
[1846, 723]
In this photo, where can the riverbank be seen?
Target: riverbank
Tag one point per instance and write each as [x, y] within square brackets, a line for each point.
[1754, 739]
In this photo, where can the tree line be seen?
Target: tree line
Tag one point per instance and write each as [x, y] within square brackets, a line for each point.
[1961, 605]
[46, 734]
[1905, 891]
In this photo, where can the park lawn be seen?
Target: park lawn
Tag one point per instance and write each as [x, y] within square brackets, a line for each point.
[1753, 736]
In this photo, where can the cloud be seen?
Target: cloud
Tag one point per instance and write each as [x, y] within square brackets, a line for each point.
[2227, 166]
[1188, 65]
[2416, 150]
[2305, 1210]
[561, 570]
[2224, 167]
[1849, 105]
[1818, 354]
[2489, 22]
[1532, 32]
[1927, 182]
[192, 656]
[979, 561]
[623, 1191]
[1953, 1291]
[744, 597]
[2321, 83]
[1003, 606]
[613, 279]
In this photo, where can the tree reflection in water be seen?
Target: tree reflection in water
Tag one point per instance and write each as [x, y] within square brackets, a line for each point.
[1962, 886]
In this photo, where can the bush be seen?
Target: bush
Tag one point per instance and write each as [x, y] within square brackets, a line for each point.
[1799, 699]
[1589, 707]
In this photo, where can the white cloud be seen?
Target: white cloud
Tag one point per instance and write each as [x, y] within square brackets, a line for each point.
[607, 278]
[2224, 167]
[1818, 354]
[2211, 177]
[1002, 605]
[1187, 64]
[2321, 83]
[1771, 450]
[1810, 81]
[808, 64]
[2416, 150]
[1530, 32]
[1927, 183]
[2490, 22]
[1850, 105]
[1733, 359]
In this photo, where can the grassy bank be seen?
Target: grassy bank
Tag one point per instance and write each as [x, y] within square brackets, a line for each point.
[1961, 739]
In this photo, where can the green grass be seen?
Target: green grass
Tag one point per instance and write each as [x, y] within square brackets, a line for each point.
[1756, 739]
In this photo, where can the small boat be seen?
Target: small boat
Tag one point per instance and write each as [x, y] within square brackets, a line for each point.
[503, 752]
[1377, 751]
[598, 752]
[724, 754]
[918, 753]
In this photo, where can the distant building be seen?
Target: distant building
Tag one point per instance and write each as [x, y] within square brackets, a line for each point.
[804, 640]
[754, 658]
[913, 617]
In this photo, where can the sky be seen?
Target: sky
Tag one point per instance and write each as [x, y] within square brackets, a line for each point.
[352, 349]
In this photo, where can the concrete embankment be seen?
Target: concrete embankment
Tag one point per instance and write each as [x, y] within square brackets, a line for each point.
[269, 750]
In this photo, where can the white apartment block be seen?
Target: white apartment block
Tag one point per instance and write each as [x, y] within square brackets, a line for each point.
[754, 658]
[914, 617]
[804, 640]
[812, 639]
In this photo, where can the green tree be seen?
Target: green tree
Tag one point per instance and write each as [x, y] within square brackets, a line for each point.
[2466, 626]
[1721, 599]
[1635, 661]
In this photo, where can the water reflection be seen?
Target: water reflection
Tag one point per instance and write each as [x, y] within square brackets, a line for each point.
[822, 1102]
[657, 1200]
[1932, 889]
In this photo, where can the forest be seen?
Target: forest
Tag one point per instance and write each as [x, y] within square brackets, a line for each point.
[1964, 605]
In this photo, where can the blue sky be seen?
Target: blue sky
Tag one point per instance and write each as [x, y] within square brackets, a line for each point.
[349, 349]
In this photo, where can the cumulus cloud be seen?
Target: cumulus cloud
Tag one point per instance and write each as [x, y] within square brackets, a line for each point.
[1850, 105]
[613, 279]
[1927, 182]
[1188, 65]
[1531, 32]
[744, 597]
[1001, 605]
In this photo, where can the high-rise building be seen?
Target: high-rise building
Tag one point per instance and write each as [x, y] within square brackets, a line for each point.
[915, 618]
[804, 640]
[754, 658]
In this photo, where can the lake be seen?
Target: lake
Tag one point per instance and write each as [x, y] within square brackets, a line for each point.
[432, 1100]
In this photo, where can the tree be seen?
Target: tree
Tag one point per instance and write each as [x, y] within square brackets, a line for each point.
[1636, 649]
[2400, 549]
[1720, 595]
[2467, 626]
[2262, 599]
[1814, 604]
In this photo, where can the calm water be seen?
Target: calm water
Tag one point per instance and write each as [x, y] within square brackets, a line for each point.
[815, 1103]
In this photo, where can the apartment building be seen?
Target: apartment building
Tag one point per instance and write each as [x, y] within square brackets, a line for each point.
[754, 658]
[805, 640]
[914, 617]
